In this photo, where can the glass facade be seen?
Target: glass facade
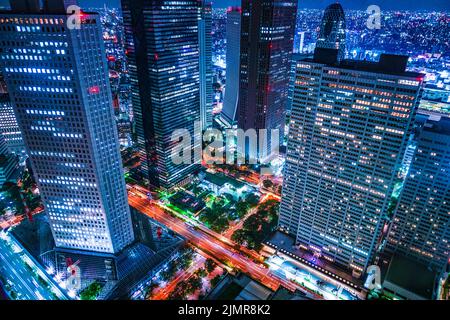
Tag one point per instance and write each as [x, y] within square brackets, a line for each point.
[163, 57]
[205, 56]
[59, 87]
[332, 31]
[267, 38]
[233, 57]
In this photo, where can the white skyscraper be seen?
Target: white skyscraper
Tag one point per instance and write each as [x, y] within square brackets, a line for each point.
[348, 133]
[58, 83]
[9, 127]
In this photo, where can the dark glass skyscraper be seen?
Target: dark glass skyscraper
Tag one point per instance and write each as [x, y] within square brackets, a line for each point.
[233, 58]
[163, 57]
[267, 37]
[332, 30]
[205, 56]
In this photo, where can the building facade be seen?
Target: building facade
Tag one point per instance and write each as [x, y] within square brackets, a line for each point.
[9, 162]
[162, 46]
[332, 31]
[9, 127]
[421, 226]
[350, 124]
[206, 72]
[230, 102]
[267, 37]
[58, 82]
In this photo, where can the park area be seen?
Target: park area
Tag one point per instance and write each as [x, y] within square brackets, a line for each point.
[216, 205]
[258, 225]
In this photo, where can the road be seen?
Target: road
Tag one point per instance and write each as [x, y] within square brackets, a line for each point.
[211, 245]
[23, 282]
[183, 275]
[16, 220]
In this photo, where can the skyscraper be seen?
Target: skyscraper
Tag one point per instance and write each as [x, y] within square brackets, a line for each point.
[163, 60]
[233, 57]
[205, 56]
[57, 77]
[421, 225]
[8, 162]
[349, 128]
[267, 37]
[332, 30]
[8, 123]
[299, 41]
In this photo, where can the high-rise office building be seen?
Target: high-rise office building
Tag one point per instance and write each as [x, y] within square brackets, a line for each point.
[332, 30]
[267, 37]
[57, 78]
[8, 123]
[299, 42]
[349, 128]
[230, 102]
[421, 225]
[163, 60]
[8, 162]
[206, 72]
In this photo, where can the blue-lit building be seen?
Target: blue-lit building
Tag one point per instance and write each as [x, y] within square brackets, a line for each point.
[421, 225]
[233, 63]
[57, 78]
[205, 56]
[162, 45]
[8, 163]
[9, 127]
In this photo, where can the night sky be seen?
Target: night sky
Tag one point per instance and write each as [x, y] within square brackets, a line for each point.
[439, 5]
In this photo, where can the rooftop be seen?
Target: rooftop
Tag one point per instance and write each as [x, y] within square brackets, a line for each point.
[441, 127]
[388, 64]
[411, 276]
[220, 179]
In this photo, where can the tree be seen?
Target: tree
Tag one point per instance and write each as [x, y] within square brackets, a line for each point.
[170, 271]
[220, 224]
[267, 183]
[92, 291]
[186, 260]
[241, 208]
[252, 199]
[195, 283]
[279, 189]
[210, 265]
[253, 222]
[239, 236]
[215, 281]
[201, 273]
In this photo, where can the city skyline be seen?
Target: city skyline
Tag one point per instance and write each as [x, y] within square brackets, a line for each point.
[435, 5]
[174, 150]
